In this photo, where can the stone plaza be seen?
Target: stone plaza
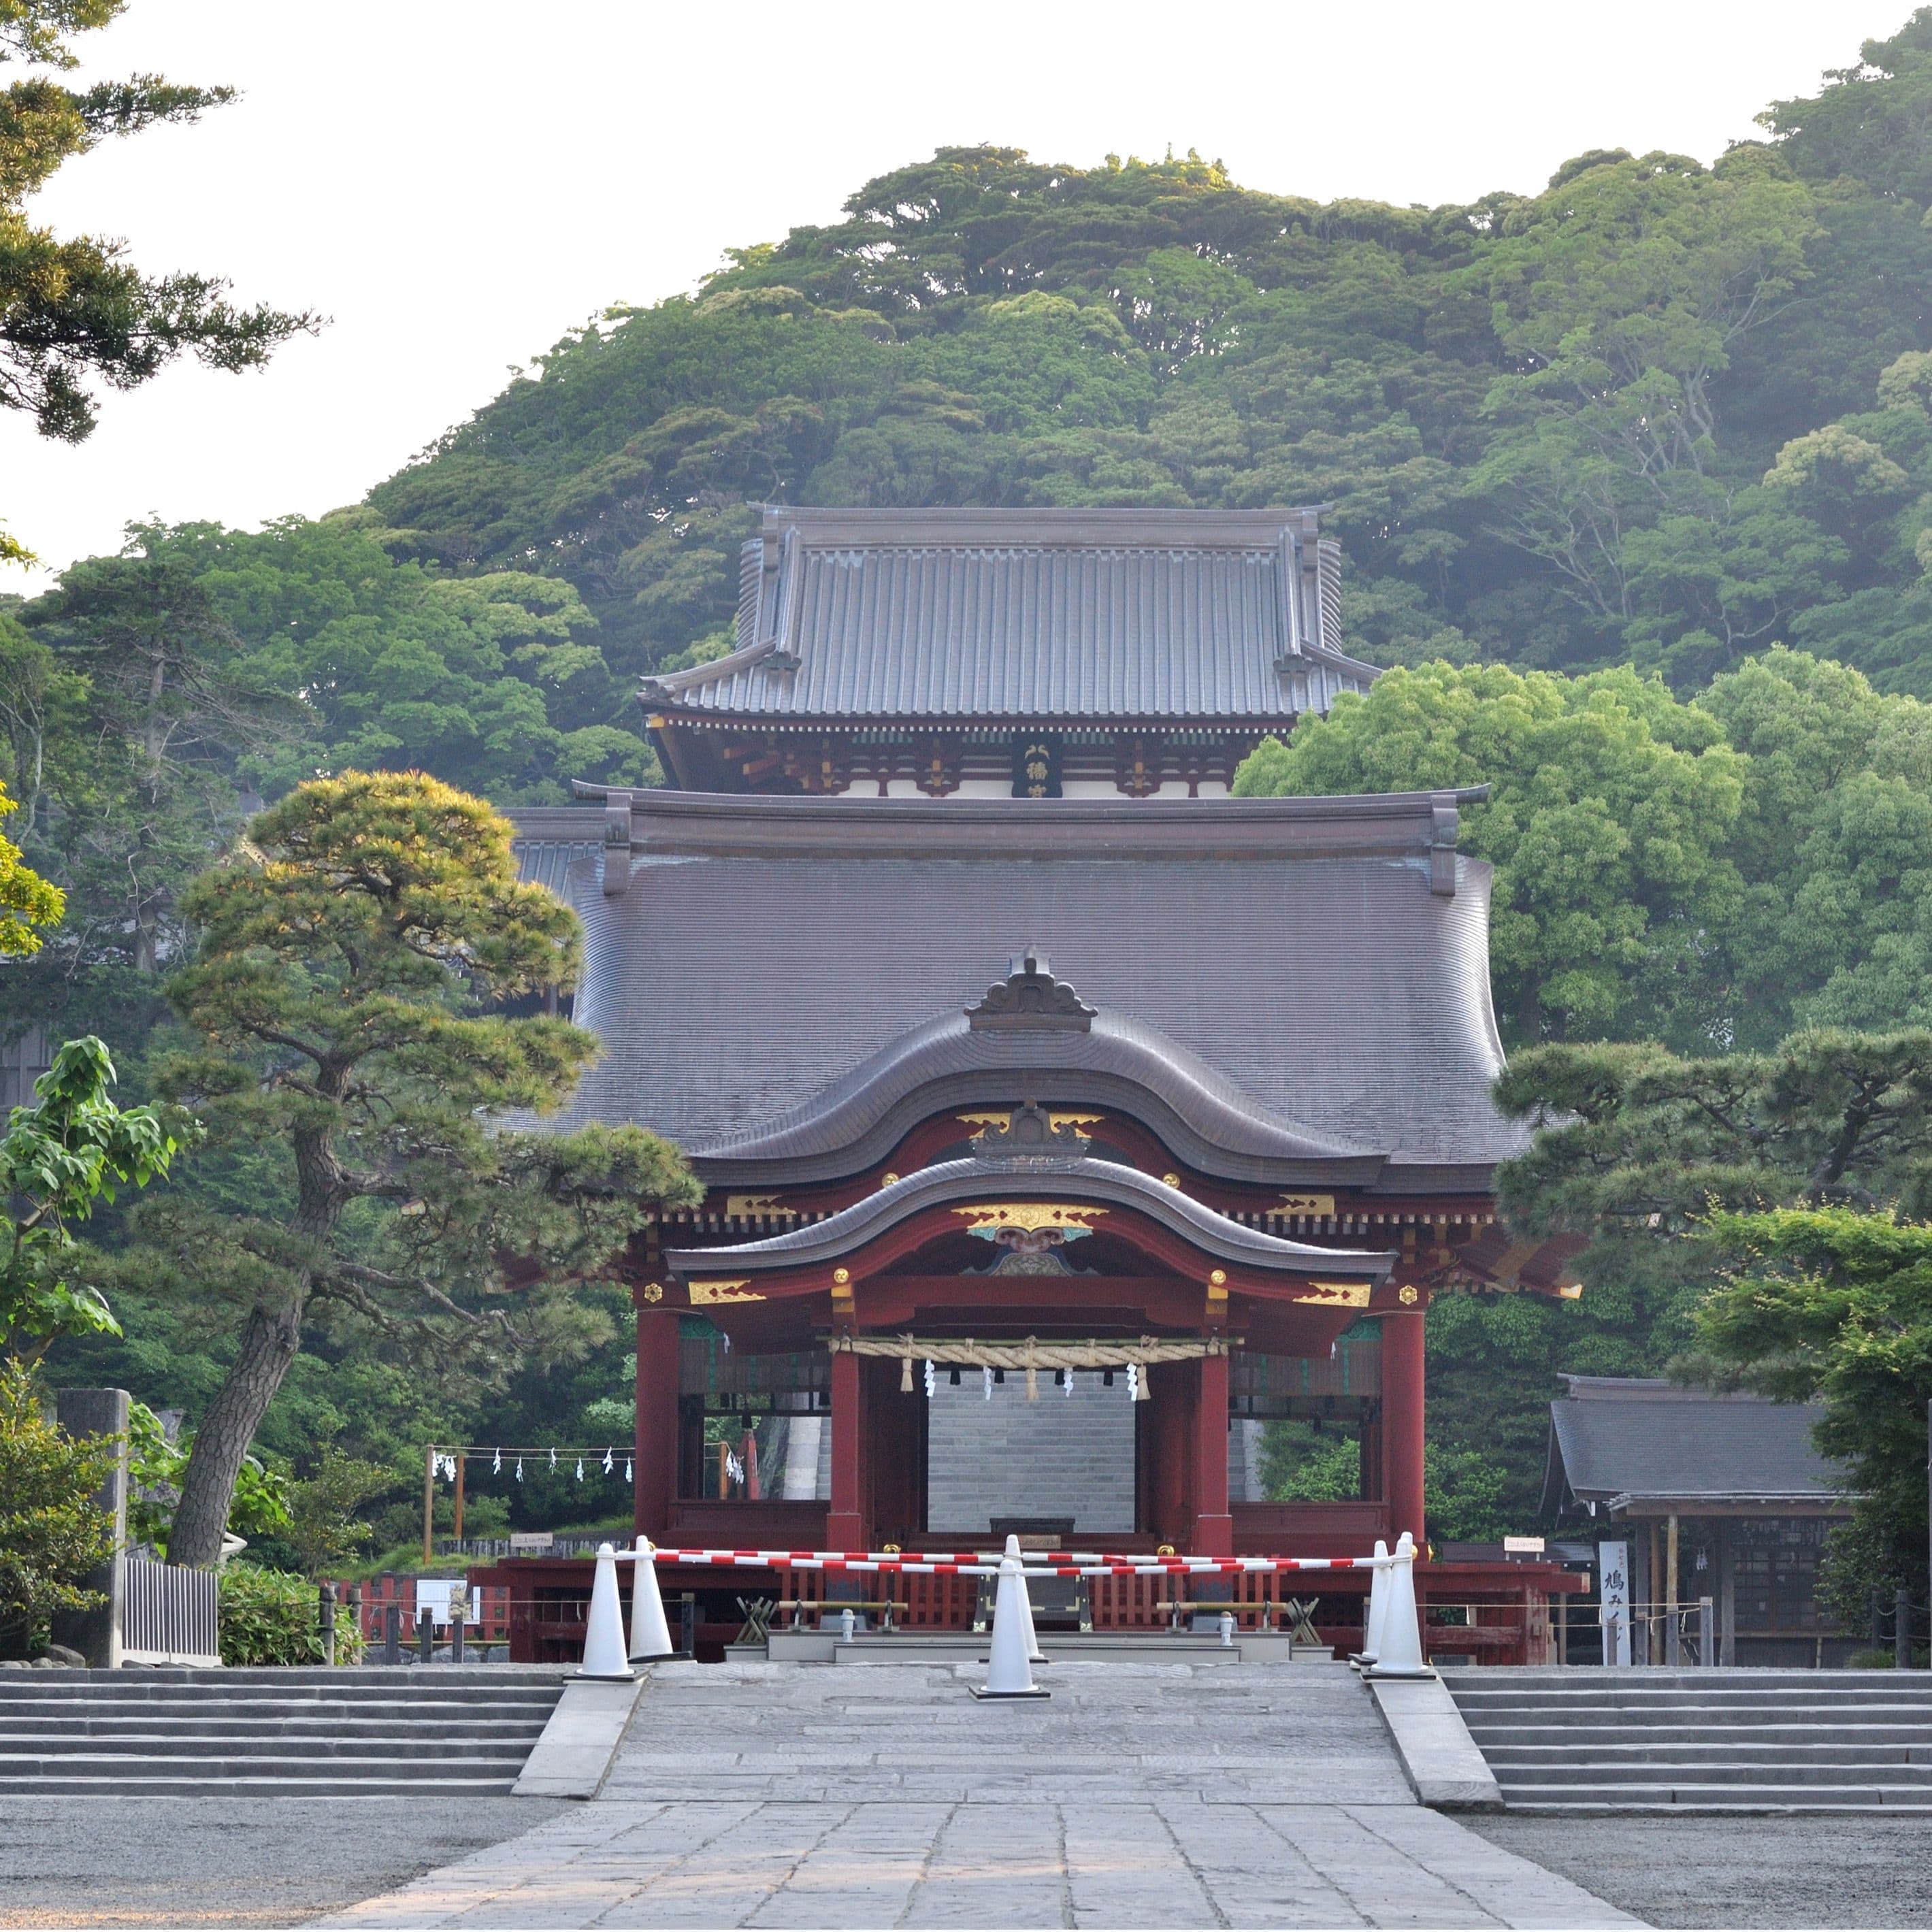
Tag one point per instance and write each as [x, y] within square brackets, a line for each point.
[1138, 1795]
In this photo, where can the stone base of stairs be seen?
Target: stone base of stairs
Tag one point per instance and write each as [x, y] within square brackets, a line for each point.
[368, 1731]
[1587, 1740]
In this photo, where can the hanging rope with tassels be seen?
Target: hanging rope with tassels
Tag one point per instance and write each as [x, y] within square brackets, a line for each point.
[1032, 1355]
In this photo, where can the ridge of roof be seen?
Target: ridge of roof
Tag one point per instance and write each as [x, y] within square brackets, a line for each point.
[1077, 1178]
[1401, 825]
[971, 527]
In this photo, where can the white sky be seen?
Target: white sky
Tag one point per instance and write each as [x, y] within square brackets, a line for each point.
[456, 182]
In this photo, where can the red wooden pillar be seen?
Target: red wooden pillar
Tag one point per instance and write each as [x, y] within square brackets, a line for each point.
[845, 1523]
[654, 1490]
[1213, 1533]
[1403, 1420]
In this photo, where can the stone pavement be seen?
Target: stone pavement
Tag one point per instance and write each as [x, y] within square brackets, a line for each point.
[1140, 1795]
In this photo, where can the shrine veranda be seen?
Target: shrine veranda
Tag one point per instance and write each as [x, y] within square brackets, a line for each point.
[1017, 1058]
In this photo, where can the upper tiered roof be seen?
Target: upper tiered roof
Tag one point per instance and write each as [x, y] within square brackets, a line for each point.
[860, 622]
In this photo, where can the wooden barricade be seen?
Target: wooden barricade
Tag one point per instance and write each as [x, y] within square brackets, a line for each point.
[1130, 1603]
[938, 1602]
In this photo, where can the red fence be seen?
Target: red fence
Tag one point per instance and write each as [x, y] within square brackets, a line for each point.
[492, 1625]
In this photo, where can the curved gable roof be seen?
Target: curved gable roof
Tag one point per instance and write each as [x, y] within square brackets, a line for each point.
[1066, 1177]
[1298, 981]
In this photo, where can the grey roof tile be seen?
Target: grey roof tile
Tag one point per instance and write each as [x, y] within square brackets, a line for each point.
[1672, 1445]
[1185, 617]
[1286, 960]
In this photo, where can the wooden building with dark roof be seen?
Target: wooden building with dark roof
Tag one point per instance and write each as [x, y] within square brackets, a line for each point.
[1137, 1089]
[991, 653]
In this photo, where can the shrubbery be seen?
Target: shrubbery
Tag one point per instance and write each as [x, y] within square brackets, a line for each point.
[269, 1617]
[51, 1534]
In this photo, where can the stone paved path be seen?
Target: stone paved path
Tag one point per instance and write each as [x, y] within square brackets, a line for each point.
[787, 1795]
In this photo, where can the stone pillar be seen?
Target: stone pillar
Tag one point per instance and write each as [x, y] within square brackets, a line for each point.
[1213, 1530]
[845, 1523]
[655, 1487]
[1403, 1419]
[96, 1633]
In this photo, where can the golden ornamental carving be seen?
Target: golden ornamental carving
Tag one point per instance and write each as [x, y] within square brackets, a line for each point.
[1306, 1204]
[1408, 1295]
[1003, 1117]
[707, 1294]
[1029, 1216]
[1337, 1294]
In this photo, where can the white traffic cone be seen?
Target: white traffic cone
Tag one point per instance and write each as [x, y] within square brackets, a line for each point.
[604, 1654]
[1011, 1672]
[1026, 1597]
[1401, 1636]
[1372, 1630]
[650, 1635]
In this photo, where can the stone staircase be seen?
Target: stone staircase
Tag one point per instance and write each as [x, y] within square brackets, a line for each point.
[457, 1730]
[1594, 1740]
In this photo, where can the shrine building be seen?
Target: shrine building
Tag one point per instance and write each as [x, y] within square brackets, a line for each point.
[1062, 1119]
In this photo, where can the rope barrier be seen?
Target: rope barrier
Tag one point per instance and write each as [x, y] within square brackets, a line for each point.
[986, 1563]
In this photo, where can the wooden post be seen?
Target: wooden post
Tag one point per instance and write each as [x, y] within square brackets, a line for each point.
[1213, 1528]
[844, 1529]
[1670, 1582]
[655, 1480]
[461, 1460]
[1403, 1370]
[429, 1504]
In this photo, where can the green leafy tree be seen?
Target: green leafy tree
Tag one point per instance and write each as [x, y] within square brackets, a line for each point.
[324, 1528]
[51, 1533]
[261, 1506]
[340, 990]
[74, 312]
[26, 899]
[59, 1157]
[173, 704]
[1646, 1159]
[1834, 1305]
[1605, 823]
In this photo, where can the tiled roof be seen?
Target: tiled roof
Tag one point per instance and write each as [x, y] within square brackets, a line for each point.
[1305, 981]
[1668, 1444]
[1177, 617]
[1066, 1178]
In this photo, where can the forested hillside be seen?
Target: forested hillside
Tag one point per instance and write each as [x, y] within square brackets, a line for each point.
[1661, 413]
[1624, 465]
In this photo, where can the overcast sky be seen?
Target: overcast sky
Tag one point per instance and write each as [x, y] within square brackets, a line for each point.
[456, 182]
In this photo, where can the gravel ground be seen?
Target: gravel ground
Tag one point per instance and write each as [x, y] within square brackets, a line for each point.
[1852, 1869]
[169, 1862]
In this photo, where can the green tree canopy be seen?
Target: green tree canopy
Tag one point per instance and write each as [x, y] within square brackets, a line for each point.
[1609, 809]
[73, 313]
[1834, 1305]
[348, 1061]
[59, 1157]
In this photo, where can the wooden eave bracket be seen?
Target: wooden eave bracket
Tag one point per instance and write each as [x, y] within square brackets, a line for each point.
[615, 875]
